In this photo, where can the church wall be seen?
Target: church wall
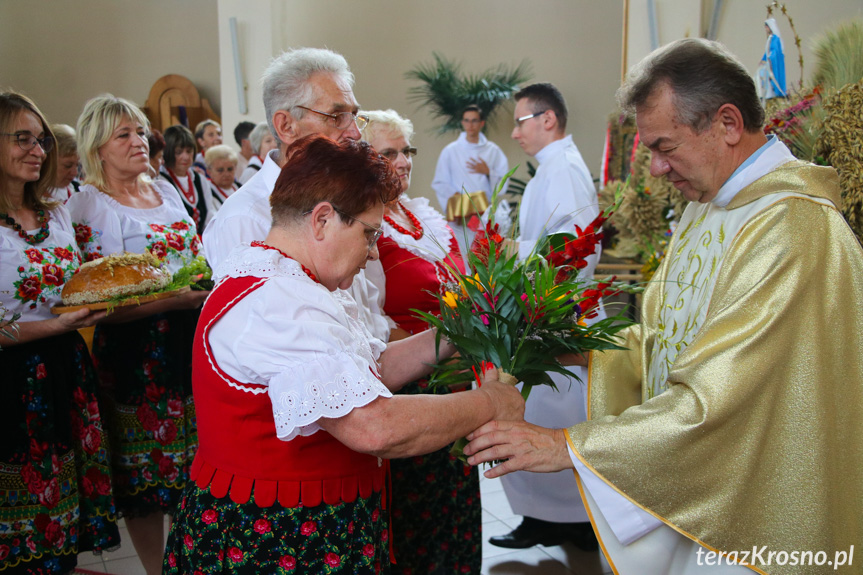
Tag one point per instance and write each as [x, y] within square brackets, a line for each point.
[574, 44]
[62, 53]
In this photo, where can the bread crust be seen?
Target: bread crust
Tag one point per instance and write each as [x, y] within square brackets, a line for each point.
[114, 276]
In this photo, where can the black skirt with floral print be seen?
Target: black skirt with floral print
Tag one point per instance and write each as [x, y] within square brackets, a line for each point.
[216, 535]
[55, 478]
[436, 511]
[145, 368]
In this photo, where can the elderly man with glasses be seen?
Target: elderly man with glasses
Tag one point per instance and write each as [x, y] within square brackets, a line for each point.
[306, 91]
[560, 196]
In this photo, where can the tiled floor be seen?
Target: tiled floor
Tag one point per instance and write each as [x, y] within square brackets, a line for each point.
[497, 519]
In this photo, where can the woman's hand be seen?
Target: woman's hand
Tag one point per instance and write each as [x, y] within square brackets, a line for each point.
[188, 300]
[506, 400]
[64, 323]
[520, 445]
[79, 319]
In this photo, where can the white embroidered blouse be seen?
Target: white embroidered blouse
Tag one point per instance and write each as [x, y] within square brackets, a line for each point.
[302, 341]
[32, 277]
[103, 226]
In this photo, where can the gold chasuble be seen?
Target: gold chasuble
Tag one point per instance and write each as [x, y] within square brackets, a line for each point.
[735, 416]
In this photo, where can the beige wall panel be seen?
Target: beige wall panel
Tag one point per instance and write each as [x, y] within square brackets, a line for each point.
[62, 52]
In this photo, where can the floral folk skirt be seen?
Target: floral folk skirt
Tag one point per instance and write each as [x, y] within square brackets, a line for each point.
[216, 535]
[55, 478]
[436, 512]
[145, 368]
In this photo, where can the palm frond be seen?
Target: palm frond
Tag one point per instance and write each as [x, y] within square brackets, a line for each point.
[446, 92]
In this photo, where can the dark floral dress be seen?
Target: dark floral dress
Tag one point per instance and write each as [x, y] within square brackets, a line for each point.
[216, 535]
[55, 479]
[436, 508]
[145, 366]
[436, 512]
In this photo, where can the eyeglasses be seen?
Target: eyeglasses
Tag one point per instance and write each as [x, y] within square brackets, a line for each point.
[29, 141]
[392, 155]
[520, 121]
[343, 120]
[373, 239]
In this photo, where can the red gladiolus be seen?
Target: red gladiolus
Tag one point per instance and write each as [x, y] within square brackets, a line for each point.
[481, 246]
[592, 296]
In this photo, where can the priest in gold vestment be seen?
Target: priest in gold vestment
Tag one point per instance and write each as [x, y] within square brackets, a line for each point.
[728, 437]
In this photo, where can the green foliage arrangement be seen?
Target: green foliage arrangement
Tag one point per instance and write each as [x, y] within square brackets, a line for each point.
[446, 91]
[839, 56]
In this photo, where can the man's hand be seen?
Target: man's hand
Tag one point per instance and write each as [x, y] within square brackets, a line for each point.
[573, 359]
[522, 446]
[477, 166]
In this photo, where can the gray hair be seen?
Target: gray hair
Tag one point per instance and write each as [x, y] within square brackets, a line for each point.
[703, 75]
[381, 121]
[256, 137]
[286, 79]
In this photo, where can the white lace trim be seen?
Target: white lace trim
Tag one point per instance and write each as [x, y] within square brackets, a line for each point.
[250, 261]
[245, 261]
[298, 416]
[434, 244]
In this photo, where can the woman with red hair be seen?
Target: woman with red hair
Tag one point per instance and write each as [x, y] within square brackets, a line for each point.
[294, 396]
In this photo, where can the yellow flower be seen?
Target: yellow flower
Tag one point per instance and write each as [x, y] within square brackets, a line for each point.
[474, 281]
[450, 299]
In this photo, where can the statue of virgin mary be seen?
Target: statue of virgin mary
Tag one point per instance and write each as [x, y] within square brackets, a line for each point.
[771, 70]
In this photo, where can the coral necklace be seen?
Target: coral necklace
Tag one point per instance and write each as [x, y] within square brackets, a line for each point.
[39, 237]
[418, 229]
[309, 273]
[189, 194]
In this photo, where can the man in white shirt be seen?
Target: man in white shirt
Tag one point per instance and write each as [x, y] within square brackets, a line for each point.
[306, 91]
[558, 197]
[470, 164]
[727, 429]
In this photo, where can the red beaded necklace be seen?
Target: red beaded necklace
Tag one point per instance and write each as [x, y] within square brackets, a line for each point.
[309, 273]
[418, 229]
[39, 237]
[191, 196]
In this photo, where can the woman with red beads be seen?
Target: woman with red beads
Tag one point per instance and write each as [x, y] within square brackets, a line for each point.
[437, 516]
[55, 480]
[294, 396]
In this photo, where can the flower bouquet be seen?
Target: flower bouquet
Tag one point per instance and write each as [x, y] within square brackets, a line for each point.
[522, 315]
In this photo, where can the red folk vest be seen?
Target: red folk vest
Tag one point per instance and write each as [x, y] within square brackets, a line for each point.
[238, 450]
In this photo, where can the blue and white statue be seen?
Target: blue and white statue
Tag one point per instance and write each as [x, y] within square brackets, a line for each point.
[771, 70]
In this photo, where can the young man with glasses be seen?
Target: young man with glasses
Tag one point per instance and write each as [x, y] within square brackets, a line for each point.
[560, 196]
[306, 91]
[472, 163]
